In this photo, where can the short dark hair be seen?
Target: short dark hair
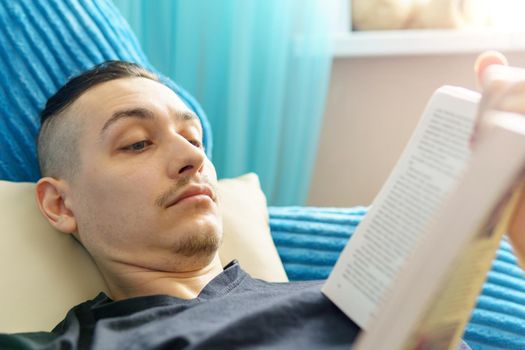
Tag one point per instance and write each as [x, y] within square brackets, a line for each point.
[57, 138]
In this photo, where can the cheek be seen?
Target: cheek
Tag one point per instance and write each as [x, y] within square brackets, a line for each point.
[110, 206]
[120, 182]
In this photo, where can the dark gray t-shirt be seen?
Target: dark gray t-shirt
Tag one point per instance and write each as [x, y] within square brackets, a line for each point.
[234, 311]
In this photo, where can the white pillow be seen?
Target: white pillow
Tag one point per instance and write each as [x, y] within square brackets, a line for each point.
[247, 235]
[44, 272]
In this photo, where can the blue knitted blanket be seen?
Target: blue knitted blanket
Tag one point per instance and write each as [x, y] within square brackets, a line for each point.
[309, 241]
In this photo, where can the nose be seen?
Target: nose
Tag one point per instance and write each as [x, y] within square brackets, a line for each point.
[184, 158]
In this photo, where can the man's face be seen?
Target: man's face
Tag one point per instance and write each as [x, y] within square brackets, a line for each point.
[144, 193]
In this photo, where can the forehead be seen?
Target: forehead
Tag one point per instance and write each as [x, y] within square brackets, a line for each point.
[97, 104]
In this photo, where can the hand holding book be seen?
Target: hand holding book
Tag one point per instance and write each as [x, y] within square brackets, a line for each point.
[503, 90]
[438, 220]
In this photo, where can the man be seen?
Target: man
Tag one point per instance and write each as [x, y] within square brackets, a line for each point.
[124, 172]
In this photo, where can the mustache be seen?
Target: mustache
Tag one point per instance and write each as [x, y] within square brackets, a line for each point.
[164, 198]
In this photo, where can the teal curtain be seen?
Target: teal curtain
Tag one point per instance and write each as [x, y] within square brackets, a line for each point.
[260, 69]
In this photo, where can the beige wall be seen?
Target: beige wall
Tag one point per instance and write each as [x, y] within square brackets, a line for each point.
[372, 107]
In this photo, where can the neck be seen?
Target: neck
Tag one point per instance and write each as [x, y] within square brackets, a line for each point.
[134, 281]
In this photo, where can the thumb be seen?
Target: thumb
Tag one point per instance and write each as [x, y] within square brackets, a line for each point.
[484, 61]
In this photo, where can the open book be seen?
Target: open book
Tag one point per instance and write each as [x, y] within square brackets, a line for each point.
[410, 275]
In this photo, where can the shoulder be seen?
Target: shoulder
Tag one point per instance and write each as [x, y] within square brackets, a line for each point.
[77, 318]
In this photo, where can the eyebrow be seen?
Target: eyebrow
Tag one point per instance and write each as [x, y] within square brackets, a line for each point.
[145, 114]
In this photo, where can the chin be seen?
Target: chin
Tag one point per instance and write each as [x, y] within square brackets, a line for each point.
[200, 239]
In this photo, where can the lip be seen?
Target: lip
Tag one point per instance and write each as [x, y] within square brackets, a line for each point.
[191, 191]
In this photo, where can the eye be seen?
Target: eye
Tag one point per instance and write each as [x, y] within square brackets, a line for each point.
[196, 143]
[137, 146]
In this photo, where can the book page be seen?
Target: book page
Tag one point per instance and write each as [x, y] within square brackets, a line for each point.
[427, 170]
[452, 259]
[444, 319]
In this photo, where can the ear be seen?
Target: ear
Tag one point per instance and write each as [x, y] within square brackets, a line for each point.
[53, 202]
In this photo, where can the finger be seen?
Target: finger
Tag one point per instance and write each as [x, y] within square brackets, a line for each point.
[486, 59]
[504, 89]
[483, 62]
[514, 99]
[495, 87]
[495, 76]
